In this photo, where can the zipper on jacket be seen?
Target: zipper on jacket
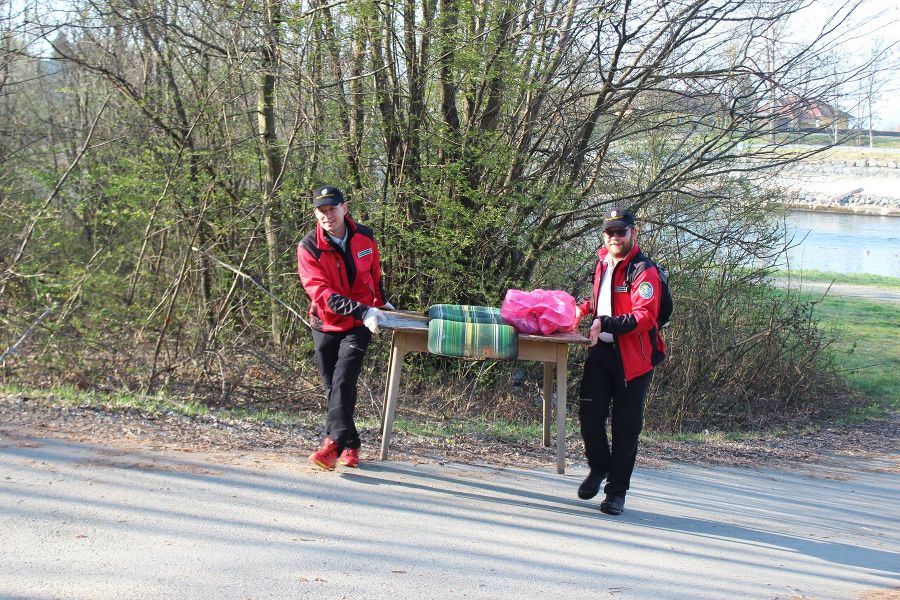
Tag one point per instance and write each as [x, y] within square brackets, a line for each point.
[337, 262]
[612, 290]
[612, 306]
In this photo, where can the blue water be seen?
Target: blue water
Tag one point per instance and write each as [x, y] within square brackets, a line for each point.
[843, 243]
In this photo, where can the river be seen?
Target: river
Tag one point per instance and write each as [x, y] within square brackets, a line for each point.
[844, 243]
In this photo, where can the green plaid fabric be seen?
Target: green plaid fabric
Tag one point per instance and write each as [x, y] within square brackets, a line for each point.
[477, 341]
[466, 313]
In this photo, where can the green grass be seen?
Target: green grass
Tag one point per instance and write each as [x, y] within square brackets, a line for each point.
[867, 335]
[854, 147]
[880, 281]
[157, 404]
[867, 346]
[153, 405]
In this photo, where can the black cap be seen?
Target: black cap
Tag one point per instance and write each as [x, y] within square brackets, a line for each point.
[327, 195]
[617, 217]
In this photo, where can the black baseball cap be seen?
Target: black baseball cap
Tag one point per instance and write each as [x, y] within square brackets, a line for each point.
[617, 217]
[327, 195]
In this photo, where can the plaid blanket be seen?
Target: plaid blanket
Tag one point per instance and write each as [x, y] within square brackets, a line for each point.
[466, 313]
[477, 341]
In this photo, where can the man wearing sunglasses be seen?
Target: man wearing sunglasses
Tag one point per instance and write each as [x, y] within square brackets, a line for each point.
[625, 345]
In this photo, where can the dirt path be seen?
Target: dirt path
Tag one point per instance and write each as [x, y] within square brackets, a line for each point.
[848, 290]
[877, 439]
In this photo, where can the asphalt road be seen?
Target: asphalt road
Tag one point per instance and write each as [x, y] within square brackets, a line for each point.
[85, 521]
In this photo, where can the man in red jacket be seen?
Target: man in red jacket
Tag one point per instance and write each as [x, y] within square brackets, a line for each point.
[340, 269]
[625, 345]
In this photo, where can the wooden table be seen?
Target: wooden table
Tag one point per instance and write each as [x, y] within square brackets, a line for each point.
[410, 334]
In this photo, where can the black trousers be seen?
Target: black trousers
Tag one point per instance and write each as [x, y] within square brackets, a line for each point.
[339, 356]
[603, 387]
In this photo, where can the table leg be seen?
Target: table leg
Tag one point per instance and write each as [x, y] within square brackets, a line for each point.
[387, 388]
[398, 351]
[548, 397]
[562, 366]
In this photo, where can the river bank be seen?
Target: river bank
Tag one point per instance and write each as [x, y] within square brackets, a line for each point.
[878, 210]
[840, 185]
[841, 193]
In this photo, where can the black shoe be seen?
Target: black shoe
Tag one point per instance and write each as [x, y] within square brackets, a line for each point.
[591, 484]
[613, 505]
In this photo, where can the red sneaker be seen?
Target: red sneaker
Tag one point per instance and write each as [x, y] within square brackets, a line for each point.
[350, 457]
[326, 456]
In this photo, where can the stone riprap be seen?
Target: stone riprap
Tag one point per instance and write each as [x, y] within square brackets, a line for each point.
[854, 186]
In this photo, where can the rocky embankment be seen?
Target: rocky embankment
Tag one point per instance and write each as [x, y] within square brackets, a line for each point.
[863, 186]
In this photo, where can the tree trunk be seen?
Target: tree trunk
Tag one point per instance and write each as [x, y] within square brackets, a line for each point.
[268, 139]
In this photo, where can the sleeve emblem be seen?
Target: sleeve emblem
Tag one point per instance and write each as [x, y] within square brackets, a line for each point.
[645, 290]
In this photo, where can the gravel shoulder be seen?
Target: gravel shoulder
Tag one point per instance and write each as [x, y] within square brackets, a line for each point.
[877, 439]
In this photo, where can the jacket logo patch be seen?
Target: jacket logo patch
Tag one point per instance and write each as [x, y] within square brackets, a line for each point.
[365, 252]
[645, 290]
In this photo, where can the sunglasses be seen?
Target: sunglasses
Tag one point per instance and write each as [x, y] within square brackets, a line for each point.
[617, 232]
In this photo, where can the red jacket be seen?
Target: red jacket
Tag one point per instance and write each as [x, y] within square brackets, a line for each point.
[342, 286]
[633, 322]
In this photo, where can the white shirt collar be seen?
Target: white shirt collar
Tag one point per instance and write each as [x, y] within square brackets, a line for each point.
[342, 242]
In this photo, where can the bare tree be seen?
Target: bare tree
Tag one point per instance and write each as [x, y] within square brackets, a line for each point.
[873, 82]
[482, 139]
[269, 146]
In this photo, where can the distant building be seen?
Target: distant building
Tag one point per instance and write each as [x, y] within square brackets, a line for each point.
[693, 106]
[796, 112]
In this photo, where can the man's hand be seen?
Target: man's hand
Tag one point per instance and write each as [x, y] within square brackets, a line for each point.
[387, 306]
[594, 333]
[372, 318]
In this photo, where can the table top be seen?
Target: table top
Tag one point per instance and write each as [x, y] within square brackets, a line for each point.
[409, 320]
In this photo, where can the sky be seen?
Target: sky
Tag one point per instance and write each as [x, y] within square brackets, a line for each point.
[888, 107]
[878, 22]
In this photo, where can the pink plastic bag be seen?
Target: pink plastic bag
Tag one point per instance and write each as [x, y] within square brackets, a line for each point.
[539, 312]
